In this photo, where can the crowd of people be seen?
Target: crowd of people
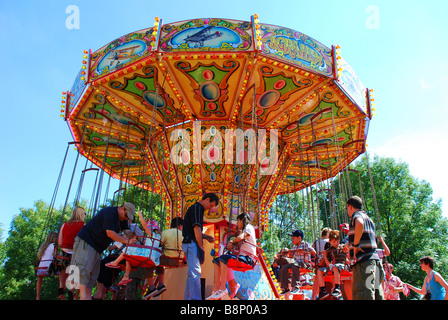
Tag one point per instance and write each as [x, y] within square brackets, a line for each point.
[76, 253]
[353, 250]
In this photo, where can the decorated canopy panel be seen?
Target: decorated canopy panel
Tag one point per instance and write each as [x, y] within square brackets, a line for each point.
[241, 109]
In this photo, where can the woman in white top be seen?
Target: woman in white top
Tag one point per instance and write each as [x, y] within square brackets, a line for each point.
[248, 251]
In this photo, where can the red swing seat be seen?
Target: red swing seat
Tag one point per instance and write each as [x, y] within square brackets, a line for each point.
[172, 262]
[37, 268]
[139, 255]
[343, 274]
[238, 265]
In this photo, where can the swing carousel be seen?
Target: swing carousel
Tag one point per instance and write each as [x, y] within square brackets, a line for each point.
[242, 109]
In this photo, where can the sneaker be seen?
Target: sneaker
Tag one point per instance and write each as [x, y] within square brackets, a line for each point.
[322, 294]
[216, 295]
[296, 291]
[336, 293]
[234, 292]
[211, 297]
[149, 293]
[160, 289]
[284, 291]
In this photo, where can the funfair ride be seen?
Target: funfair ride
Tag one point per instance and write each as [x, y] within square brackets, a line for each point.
[240, 108]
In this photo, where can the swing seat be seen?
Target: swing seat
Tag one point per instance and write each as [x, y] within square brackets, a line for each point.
[172, 262]
[238, 265]
[343, 274]
[304, 271]
[41, 271]
[142, 255]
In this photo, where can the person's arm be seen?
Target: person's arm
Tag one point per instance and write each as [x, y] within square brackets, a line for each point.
[359, 229]
[240, 237]
[417, 290]
[443, 283]
[199, 236]
[144, 224]
[116, 237]
[327, 262]
[312, 251]
[60, 236]
[386, 248]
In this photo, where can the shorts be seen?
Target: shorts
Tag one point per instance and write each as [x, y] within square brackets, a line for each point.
[85, 264]
[340, 267]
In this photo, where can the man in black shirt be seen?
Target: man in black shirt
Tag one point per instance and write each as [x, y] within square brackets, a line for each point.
[92, 240]
[192, 244]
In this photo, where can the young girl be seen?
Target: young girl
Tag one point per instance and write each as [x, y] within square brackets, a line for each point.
[230, 249]
[248, 251]
[45, 256]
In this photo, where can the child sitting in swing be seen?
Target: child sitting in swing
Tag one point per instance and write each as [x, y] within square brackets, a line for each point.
[336, 261]
[153, 237]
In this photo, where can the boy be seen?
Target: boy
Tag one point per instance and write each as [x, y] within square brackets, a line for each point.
[301, 250]
[335, 259]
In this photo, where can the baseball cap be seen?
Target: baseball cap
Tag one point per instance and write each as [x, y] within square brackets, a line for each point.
[130, 210]
[297, 233]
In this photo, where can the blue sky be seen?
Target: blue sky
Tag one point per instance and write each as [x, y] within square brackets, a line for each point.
[398, 48]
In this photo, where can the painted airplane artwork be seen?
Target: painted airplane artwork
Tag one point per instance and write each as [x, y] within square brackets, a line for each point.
[208, 36]
[121, 55]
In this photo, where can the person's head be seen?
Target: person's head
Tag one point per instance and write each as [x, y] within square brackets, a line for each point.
[242, 220]
[389, 268]
[209, 200]
[297, 236]
[153, 225]
[354, 204]
[52, 237]
[177, 222]
[325, 232]
[334, 238]
[78, 214]
[426, 262]
[230, 244]
[126, 212]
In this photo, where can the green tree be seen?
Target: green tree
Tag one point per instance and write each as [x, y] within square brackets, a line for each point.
[405, 213]
[20, 250]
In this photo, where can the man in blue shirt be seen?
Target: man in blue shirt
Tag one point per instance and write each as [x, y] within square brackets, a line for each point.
[192, 244]
[92, 240]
